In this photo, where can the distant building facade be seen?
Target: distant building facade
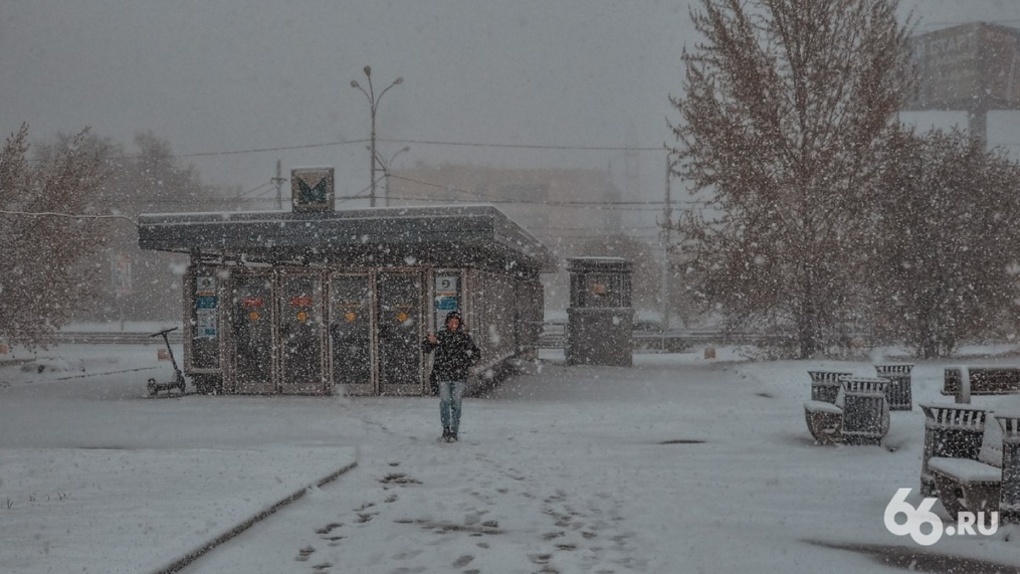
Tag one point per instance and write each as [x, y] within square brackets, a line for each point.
[972, 67]
[562, 208]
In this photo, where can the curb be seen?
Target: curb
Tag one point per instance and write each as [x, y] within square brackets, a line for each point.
[184, 561]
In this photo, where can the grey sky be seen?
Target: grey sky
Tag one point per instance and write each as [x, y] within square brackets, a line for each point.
[225, 76]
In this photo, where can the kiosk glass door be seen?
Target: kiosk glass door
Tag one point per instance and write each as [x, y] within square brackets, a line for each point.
[252, 333]
[301, 334]
[399, 315]
[350, 333]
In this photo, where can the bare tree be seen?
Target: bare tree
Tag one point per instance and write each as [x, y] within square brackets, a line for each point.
[131, 283]
[45, 229]
[784, 106]
[943, 275]
[151, 180]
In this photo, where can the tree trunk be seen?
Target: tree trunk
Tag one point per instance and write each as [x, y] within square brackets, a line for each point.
[807, 322]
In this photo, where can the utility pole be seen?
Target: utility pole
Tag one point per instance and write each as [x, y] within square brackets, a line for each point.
[278, 180]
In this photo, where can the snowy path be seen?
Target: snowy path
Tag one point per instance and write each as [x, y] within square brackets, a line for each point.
[608, 483]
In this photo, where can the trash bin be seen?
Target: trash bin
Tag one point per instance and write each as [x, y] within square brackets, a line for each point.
[600, 318]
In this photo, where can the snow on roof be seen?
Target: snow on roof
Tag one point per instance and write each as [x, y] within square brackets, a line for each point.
[469, 227]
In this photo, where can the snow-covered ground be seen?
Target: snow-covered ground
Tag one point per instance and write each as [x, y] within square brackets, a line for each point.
[679, 464]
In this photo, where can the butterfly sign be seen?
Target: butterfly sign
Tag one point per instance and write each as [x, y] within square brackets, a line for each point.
[312, 188]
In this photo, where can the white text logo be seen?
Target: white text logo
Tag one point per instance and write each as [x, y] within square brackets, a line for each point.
[918, 518]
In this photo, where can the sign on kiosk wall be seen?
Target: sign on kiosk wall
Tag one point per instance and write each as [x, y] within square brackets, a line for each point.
[205, 332]
[447, 296]
[206, 305]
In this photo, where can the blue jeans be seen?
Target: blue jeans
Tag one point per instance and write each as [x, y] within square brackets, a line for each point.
[450, 393]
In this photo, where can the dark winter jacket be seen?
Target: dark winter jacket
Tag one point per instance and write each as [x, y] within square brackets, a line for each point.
[455, 354]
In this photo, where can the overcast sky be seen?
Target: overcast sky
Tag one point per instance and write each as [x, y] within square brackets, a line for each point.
[216, 76]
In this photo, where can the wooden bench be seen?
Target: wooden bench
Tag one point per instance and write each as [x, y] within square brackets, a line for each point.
[980, 381]
[858, 415]
[988, 480]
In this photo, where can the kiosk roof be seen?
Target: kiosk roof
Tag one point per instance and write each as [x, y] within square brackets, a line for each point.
[471, 233]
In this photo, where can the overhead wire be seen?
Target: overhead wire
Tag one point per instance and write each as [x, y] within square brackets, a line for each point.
[499, 199]
[417, 142]
[68, 215]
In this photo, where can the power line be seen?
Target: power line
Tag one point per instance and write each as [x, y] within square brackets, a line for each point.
[433, 142]
[526, 146]
[497, 199]
[579, 205]
[625, 228]
[67, 215]
[267, 149]
[957, 22]
[242, 151]
[419, 142]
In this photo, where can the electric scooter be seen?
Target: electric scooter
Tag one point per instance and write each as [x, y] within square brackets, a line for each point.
[178, 382]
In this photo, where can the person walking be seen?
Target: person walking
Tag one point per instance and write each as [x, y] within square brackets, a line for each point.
[456, 353]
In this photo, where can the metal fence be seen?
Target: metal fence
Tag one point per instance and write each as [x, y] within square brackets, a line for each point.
[553, 336]
[112, 338]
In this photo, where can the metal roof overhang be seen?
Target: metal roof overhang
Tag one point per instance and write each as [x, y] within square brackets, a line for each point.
[453, 235]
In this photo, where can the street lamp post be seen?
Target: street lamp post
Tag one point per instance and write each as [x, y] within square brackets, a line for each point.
[373, 102]
[386, 171]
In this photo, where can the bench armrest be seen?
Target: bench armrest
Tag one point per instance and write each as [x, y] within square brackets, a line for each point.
[822, 407]
[1010, 425]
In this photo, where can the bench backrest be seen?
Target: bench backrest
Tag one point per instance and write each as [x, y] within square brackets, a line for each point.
[894, 369]
[828, 376]
[865, 385]
[983, 381]
[825, 385]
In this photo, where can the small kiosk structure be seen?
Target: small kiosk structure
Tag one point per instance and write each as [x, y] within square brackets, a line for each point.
[600, 319]
[318, 301]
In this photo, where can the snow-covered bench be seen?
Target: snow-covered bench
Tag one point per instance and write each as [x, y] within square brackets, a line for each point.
[825, 421]
[982, 381]
[983, 481]
[954, 431]
[858, 415]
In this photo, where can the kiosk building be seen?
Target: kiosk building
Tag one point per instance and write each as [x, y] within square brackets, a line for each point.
[319, 301]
